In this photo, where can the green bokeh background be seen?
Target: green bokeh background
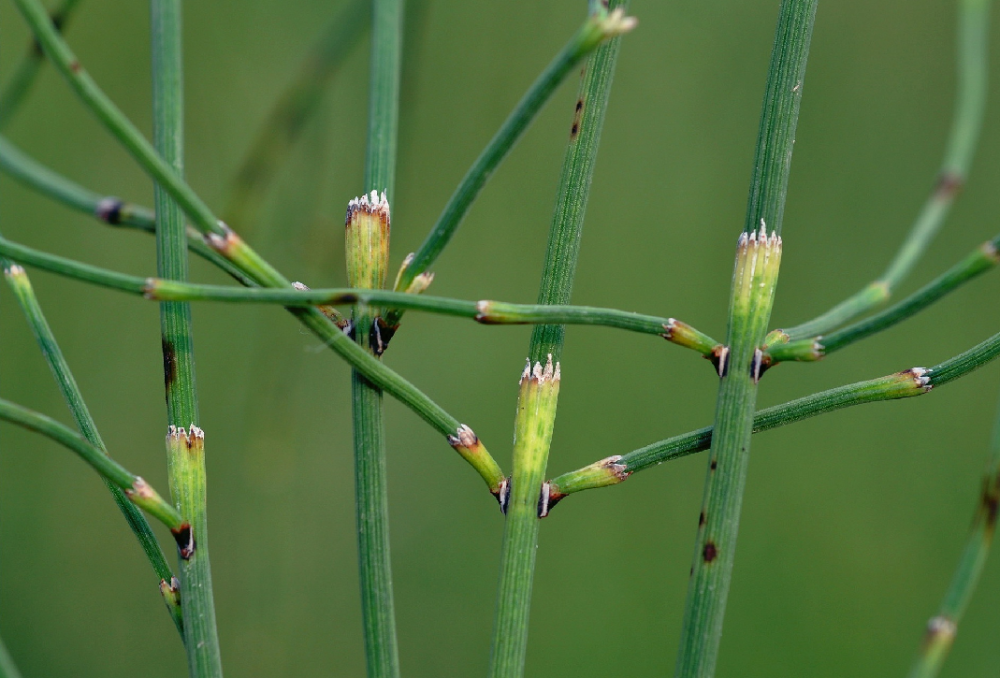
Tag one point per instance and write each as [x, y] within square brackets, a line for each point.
[852, 522]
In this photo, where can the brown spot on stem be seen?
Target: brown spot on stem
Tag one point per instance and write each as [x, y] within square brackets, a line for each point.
[990, 501]
[575, 129]
[715, 462]
[74, 66]
[701, 519]
[709, 553]
[948, 186]
[169, 363]
[185, 540]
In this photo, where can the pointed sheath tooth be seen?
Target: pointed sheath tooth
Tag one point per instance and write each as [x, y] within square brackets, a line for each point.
[526, 374]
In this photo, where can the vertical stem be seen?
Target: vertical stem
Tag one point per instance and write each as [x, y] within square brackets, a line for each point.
[371, 486]
[185, 442]
[536, 414]
[757, 262]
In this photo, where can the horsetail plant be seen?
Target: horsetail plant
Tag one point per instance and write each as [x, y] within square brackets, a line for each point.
[361, 333]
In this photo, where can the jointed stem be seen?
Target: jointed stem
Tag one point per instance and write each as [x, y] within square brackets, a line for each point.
[368, 251]
[982, 259]
[186, 462]
[970, 105]
[21, 285]
[754, 281]
[539, 393]
[905, 384]
[598, 27]
[136, 489]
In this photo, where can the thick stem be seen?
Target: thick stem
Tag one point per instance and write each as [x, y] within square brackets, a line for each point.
[186, 462]
[757, 263]
[539, 394]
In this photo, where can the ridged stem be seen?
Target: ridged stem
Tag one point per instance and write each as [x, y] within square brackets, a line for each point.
[912, 382]
[539, 392]
[19, 283]
[136, 489]
[754, 281]
[367, 248]
[970, 107]
[186, 463]
[941, 629]
[108, 209]
[982, 259]
[599, 26]
[226, 242]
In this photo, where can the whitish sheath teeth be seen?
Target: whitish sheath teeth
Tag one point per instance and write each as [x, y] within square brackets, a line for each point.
[465, 438]
[373, 204]
[503, 496]
[543, 499]
[755, 365]
[542, 374]
[922, 378]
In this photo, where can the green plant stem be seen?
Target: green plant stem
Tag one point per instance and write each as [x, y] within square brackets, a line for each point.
[294, 108]
[538, 398]
[595, 30]
[942, 628]
[25, 295]
[186, 470]
[7, 667]
[370, 473]
[108, 209]
[20, 82]
[980, 260]
[970, 107]
[749, 311]
[912, 382]
[136, 489]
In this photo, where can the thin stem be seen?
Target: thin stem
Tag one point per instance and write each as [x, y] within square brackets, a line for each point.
[7, 667]
[970, 106]
[297, 104]
[754, 282]
[980, 260]
[108, 209]
[136, 489]
[912, 382]
[599, 26]
[370, 254]
[19, 84]
[18, 280]
[227, 243]
[539, 393]
[941, 629]
[186, 470]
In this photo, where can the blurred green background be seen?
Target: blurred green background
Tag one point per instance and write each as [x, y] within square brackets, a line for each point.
[852, 522]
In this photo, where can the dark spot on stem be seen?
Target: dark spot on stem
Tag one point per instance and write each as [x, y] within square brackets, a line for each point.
[948, 186]
[715, 462]
[169, 363]
[575, 129]
[991, 501]
[74, 66]
[185, 540]
[701, 519]
[709, 553]
[109, 210]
